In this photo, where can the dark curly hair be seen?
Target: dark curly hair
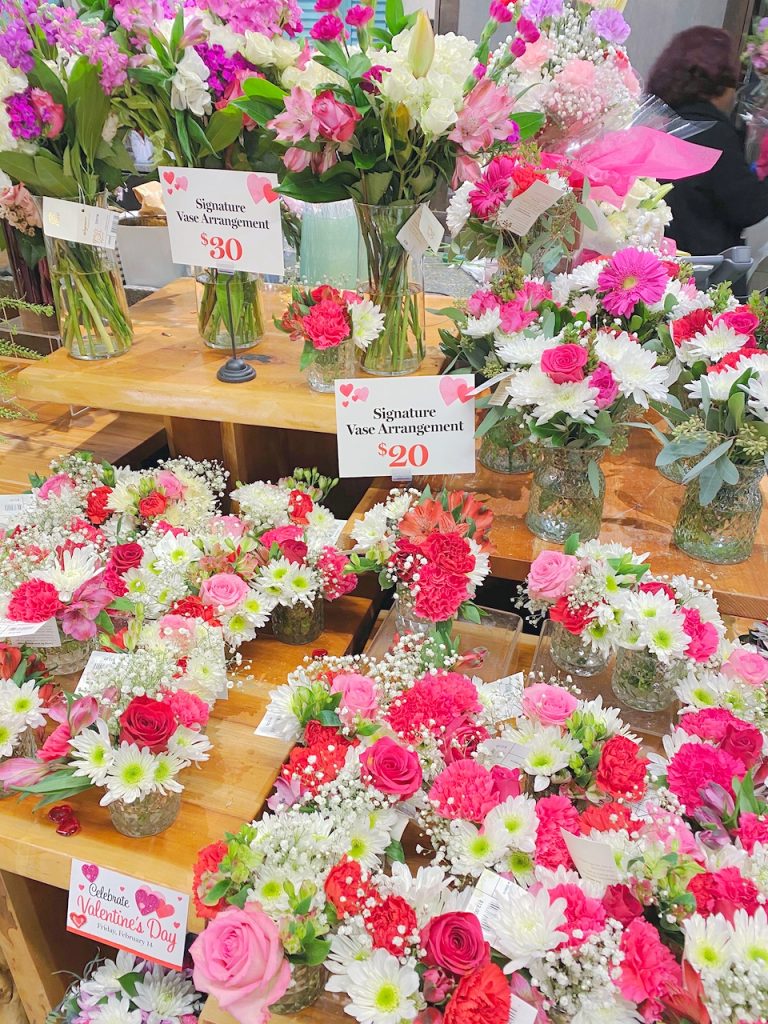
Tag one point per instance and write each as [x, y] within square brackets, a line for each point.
[697, 64]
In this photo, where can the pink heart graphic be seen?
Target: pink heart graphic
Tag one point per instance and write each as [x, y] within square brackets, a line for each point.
[122, 888]
[360, 395]
[257, 186]
[78, 920]
[452, 390]
[181, 184]
[346, 389]
[90, 871]
[175, 924]
[146, 901]
[168, 176]
[163, 909]
[345, 404]
[270, 195]
[81, 887]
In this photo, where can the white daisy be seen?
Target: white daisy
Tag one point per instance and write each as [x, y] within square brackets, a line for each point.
[516, 820]
[130, 776]
[471, 850]
[167, 767]
[618, 1011]
[24, 701]
[380, 991]
[367, 322]
[345, 950]
[92, 753]
[366, 844]
[11, 727]
[188, 745]
[757, 389]
[527, 926]
[750, 937]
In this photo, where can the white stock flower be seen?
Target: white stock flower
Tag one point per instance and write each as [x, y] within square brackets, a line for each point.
[188, 88]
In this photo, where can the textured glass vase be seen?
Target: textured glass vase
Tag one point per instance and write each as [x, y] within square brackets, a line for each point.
[501, 449]
[229, 304]
[147, 817]
[71, 657]
[723, 531]
[574, 653]
[394, 281]
[298, 623]
[642, 681]
[406, 619]
[307, 982]
[330, 365]
[562, 500]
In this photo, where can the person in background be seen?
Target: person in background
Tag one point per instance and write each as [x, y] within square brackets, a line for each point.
[697, 75]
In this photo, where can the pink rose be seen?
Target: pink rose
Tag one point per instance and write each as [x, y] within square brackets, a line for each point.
[550, 705]
[239, 961]
[280, 534]
[703, 639]
[607, 389]
[173, 487]
[230, 526]
[551, 574]
[564, 364]
[506, 781]
[455, 942]
[741, 320]
[358, 696]
[747, 666]
[392, 769]
[55, 485]
[51, 114]
[224, 590]
[331, 119]
[481, 302]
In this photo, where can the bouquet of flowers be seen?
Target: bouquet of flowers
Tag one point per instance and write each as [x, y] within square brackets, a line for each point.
[24, 243]
[639, 221]
[129, 989]
[738, 685]
[25, 692]
[332, 325]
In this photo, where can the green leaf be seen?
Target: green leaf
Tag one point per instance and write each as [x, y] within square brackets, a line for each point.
[680, 449]
[218, 892]
[470, 612]
[316, 951]
[394, 14]
[736, 404]
[302, 907]
[595, 477]
[395, 852]
[262, 89]
[329, 718]
[128, 982]
[528, 123]
[571, 545]
[42, 76]
[90, 106]
[713, 456]
[375, 185]
[586, 216]
[710, 482]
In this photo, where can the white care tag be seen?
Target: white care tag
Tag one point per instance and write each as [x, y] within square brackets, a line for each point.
[97, 662]
[594, 861]
[12, 508]
[503, 698]
[405, 425]
[276, 728]
[521, 1012]
[338, 526]
[422, 231]
[484, 899]
[522, 212]
[76, 222]
[39, 634]
[228, 220]
[505, 753]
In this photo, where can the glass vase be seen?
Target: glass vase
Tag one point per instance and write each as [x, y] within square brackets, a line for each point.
[26, 744]
[299, 623]
[643, 682]
[502, 450]
[394, 281]
[406, 619]
[574, 653]
[89, 296]
[307, 982]
[147, 817]
[71, 657]
[31, 277]
[227, 305]
[723, 531]
[330, 364]
[562, 499]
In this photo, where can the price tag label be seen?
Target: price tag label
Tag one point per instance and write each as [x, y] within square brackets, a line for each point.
[40, 634]
[405, 425]
[229, 220]
[484, 899]
[422, 231]
[594, 861]
[276, 728]
[519, 215]
[76, 222]
[12, 508]
[521, 1012]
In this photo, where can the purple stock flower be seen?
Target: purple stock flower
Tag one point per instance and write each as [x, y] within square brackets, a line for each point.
[16, 46]
[610, 24]
[538, 10]
[22, 116]
[223, 69]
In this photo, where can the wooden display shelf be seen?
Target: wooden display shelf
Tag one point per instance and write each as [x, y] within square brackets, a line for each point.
[640, 510]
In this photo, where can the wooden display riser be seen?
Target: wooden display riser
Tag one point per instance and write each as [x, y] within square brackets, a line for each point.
[640, 510]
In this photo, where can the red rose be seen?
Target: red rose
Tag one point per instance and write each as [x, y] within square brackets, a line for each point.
[743, 741]
[295, 551]
[327, 324]
[299, 506]
[449, 552]
[455, 941]
[574, 620]
[34, 601]
[10, 659]
[621, 904]
[564, 363]
[153, 505]
[610, 817]
[391, 924]
[621, 770]
[148, 723]
[688, 326]
[484, 995]
[347, 888]
[96, 505]
[205, 877]
[126, 556]
[392, 769]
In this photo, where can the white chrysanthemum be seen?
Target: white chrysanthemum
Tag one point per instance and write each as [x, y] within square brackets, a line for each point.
[707, 942]
[188, 745]
[372, 530]
[71, 570]
[757, 389]
[482, 563]
[116, 1011]
[381, 991]
[428, 891]
[520, 349]
[167, 767]
[92, 753]
[265, 504]
[483, 325]
[346, 950]
[459, 209]
[366, 844]
[634, 369]
[367, 322]
[618, 1011]
[527, 926]
[471, 851]
[105, 980]
[11, 727]
[23, 701]
[124, 494]
[166, 996]
[750, 938]
[718, 385]
[585, 277]
[534, 388]
[703, 690]
[516, 820]
[711, 345]
[275, 577]
[609, 718]
[130, 776]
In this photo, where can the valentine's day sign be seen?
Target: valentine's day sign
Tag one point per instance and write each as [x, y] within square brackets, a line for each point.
[405, 425]
[229, 220]
[147, 920]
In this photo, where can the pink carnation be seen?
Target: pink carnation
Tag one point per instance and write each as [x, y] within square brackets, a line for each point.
[433, 702]
[603, 381]
[583, 914]
[554, 813]
[481, 302]
[440, 594]
[465, 790]
[34, 601]
[359, 15]
[752, 829]
[703, 639]
[696, 764]
[328, 28]
[189, 709]
[708, 724]
[632, 276]
[337, 582]
[515, 317]
[649, 971]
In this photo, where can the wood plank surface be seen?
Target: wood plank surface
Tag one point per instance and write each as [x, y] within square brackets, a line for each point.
[169, 370]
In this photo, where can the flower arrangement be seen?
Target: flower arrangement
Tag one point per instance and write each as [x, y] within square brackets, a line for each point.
[332, 324]
[128, 989]
[756, 52]
[25, 692]
[638, 222]
[24, 243]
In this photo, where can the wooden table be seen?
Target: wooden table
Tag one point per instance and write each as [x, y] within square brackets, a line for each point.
[169, 371]
[640, 509]
[227, 791]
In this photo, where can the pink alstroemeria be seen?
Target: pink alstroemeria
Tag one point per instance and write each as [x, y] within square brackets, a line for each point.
[484, 118]
[195, 33]
[295, 121]
[19, 772]
[467, 169]
[88, 602]
[83, 712]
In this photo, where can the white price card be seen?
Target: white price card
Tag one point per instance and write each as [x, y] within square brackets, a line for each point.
[97, 661]
[229, 220]
[12, 508]
[522, 212]
[484, 899]
[76, 222]
[41, 634]
[400, 425]
[594, 861]
[521, 1012]
[276, 728]
[503, 697]
[422, 231]
[149, 921]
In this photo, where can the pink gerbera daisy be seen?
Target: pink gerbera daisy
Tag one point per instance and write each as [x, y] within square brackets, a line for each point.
[488, 195]
[632, 276]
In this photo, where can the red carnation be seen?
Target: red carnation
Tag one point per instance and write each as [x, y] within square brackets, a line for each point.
[688, 326]
[391, 924]
[347, 888]
[621, 770]
[153, 505]
[574, 620]
[205, 877]
[484, 995]
[34, 601]
[96, 505]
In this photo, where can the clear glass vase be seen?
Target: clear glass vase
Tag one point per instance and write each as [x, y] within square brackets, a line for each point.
[502, 449]
[298, 623]
[71, 657]
[723, 531]
[643, 682]
[147, 817]
[329, 365]
[229, 304]
[406, 619]
[307, 982]
[574, 653]
[394, 281]
[89, 296]
[562, 500]
[31, 277]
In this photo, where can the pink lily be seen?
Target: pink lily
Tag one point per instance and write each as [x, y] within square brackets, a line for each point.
[19, 772]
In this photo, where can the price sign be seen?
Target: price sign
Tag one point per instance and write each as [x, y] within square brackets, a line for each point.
[229, 220]
[398, 426]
